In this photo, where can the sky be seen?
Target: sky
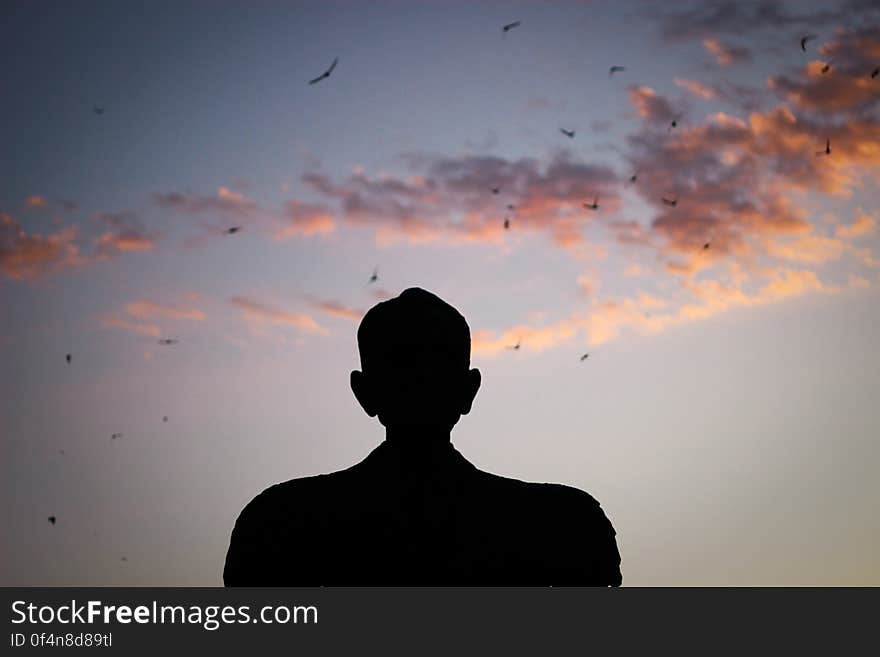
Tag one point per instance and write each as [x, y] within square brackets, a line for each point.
[726, 287]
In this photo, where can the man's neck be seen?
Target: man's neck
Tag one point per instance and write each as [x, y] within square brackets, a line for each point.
[418, 437]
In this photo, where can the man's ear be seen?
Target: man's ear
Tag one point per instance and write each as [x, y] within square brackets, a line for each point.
[361, 388]
[472, 384]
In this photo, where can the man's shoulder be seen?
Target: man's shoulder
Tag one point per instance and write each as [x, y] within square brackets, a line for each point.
[554, 496]
[288, 496]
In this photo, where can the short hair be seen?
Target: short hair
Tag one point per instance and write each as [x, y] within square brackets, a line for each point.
[415, 316]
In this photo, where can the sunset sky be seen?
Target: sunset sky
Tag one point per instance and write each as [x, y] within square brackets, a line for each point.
[727, 416]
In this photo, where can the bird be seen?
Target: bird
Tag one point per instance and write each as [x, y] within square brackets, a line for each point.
[69, 357]
[507, 28]
[506, 223]
[827, 66]
[123, 559]
[62, 452]
[671, 202]
[496, 190]
[615, 69]
[51, 520]
[705, 246]
[374, 277]
[594, 205]
[516, 346]
[164, 418]
[808, 37]
[567, 133]
[511, 207]
[634, 177]
[875, 72]
[584, 357]
[674, 122]
[325, 74]
[827, 150]
[115, 436]
[98, 110]
[232, 231]
[167, 341]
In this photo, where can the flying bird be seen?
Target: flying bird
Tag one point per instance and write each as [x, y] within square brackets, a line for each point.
[584, 357]
[706, 246]
[674, 122]
[167, 341]
[232, 231]
[511, 207]
[567, 133]
[594, 205]
[506, 223]
[516, 346]
[507, 28]
[671, 202]
[51, 520]
[496, 190]
[634, 177]
[827, 66]
[805, 39]
[615, 69]
[875, 73]
[69, 357]
[62, 452]
[827, 150]
[123, 559]
[164, 418]
[98, 110]
[374, 277]
[325, 74]
[115, 436]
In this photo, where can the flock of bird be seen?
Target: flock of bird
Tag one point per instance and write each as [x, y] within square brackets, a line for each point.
[671, 202]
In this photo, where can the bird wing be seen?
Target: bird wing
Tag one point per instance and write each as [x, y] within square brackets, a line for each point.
[332, 66]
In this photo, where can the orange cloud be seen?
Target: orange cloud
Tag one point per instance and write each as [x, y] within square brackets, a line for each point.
[697, 89]
[726, 54]
[863, 225]
[651, 106]
[150, 309]
[306, 220]
[260, 313]
[450, 201]
[35, 202]
[26, 256]
[338, 310]
[126, 325]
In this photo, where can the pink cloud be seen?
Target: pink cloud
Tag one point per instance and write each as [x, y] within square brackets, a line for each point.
[725, 53]
[28, 256]
[149, 309]
[260, 313]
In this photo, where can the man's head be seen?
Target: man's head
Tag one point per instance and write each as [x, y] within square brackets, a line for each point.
[415, 359]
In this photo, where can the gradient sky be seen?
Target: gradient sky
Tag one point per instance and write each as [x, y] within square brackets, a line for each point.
[727, 416]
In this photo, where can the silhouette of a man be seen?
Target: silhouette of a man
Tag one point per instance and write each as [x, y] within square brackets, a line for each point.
[415, 512]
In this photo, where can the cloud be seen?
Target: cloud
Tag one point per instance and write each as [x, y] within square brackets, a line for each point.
[863, 225]
[725, 53]
[449, 200]
[35, 202]
[150, 309]
[227, 203]
[259, 313]
[738, 17]
[26, 256]
[338, 310]
[847, 86]
[150, 330]
[304, 219]
[697, 89]
[125, 234]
